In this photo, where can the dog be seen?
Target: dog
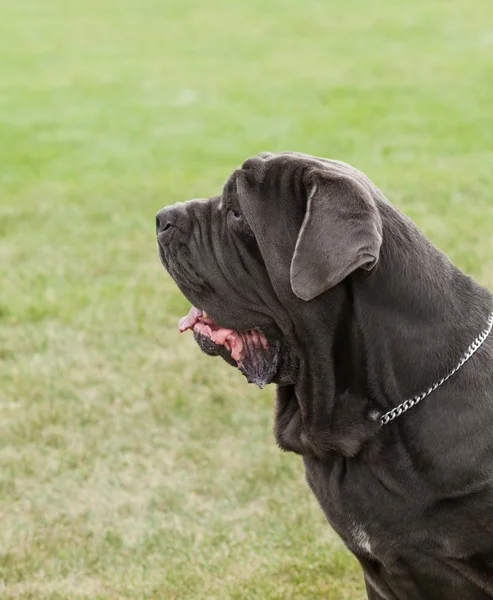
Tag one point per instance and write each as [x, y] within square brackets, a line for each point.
[302, 274]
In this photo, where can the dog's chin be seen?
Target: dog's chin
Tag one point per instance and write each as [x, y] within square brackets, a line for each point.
[259, 363]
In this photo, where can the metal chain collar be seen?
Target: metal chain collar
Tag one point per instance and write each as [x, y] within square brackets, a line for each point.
[407, 404]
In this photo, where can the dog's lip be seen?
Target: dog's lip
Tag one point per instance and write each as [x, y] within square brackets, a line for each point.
[255, 354]
[232, 339]
[197, 315]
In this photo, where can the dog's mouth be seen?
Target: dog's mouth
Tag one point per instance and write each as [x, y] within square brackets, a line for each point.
[255, 355]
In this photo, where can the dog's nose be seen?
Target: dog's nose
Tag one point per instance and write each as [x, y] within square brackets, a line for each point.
[164, 220]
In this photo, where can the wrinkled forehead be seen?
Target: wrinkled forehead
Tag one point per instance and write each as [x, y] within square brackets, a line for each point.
[288, 171]
[278, 166]
[286, 165]
[270, 190]
[270, 171]
[267, 182]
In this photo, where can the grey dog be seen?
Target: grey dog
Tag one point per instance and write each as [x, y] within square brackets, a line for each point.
[302, 274]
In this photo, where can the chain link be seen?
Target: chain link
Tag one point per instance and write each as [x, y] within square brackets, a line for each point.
[408, 404]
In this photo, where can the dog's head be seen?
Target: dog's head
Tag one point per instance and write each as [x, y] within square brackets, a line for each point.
[287, 228]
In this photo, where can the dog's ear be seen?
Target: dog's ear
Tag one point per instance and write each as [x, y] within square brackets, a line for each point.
[341, 232]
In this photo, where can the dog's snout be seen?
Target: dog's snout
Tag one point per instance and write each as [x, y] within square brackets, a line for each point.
[164, 220]
[178, 219]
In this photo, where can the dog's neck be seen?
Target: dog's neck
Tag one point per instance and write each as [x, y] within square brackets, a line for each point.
[381, 338]
[416, 313]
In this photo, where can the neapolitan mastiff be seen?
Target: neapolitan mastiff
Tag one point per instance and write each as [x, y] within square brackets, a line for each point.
[302, 274]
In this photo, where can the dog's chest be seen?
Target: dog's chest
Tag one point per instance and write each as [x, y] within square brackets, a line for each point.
[350, 517]
[359, 540]
[357, 537]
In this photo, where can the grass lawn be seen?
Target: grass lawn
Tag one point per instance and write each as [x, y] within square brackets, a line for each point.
[132, 466]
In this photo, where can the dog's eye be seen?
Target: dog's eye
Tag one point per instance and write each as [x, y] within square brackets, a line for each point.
[238, 223]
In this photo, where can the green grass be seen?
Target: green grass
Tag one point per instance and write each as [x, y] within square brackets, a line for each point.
[132, 466]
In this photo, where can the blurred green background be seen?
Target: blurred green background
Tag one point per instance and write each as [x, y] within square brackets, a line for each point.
[132, 466]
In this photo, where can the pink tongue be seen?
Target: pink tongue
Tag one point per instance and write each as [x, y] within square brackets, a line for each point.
[189, 321]
[196, 321]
